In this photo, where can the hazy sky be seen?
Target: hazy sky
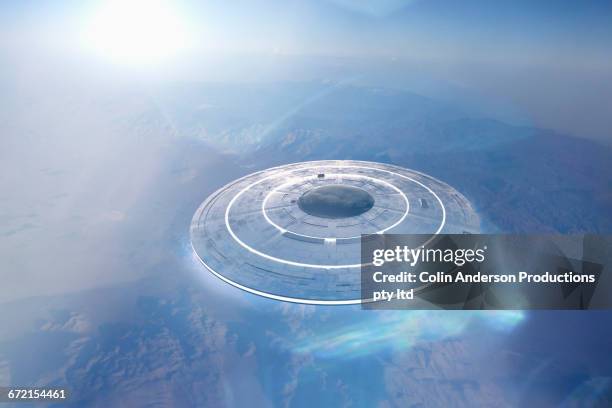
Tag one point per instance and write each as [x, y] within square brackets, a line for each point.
[547, 63]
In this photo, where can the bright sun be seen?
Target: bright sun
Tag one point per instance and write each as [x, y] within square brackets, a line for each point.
[136, 31]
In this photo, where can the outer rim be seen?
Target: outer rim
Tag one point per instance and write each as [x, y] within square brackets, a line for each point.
[290, 299]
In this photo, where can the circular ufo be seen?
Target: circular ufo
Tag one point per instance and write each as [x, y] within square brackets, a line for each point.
[293, 233]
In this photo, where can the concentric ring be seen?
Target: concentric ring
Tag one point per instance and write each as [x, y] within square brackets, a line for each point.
[309, 265]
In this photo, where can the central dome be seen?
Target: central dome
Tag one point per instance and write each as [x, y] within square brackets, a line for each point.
[336, 201]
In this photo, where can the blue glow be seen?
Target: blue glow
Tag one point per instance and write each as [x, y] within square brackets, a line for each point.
[400, 330]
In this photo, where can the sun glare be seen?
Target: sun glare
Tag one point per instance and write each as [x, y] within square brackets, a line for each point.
[136, 31]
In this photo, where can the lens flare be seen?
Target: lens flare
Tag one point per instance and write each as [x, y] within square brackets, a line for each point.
[400, 330]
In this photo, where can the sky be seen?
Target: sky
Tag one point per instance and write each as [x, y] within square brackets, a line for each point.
[546, 63]
[66, 145]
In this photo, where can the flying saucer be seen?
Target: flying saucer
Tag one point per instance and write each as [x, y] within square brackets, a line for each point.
[293, 232]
